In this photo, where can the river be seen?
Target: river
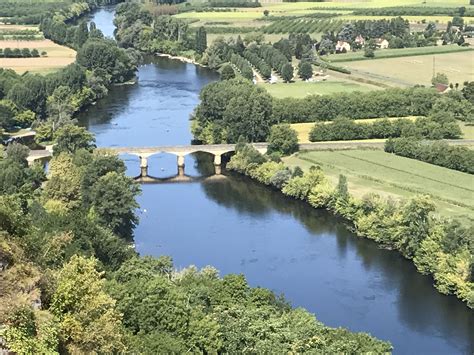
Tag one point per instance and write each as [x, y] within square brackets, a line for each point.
[239, 226]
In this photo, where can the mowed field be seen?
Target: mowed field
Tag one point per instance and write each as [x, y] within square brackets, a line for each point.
[57, 56]
[374, 171]
[300, 89]
[459, 67]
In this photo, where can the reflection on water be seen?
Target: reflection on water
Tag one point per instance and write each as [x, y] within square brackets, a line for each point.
[239, 226]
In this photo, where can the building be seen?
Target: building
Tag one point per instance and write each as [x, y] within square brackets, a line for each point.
[342, 47]
[381, 43]
[360, 40]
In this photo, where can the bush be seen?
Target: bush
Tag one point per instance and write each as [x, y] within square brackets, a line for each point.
[283, 139]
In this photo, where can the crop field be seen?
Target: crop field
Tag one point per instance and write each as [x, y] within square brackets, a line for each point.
[301, 89]
[374, 171]
[459, 67]
[397, 52]
[57, 56]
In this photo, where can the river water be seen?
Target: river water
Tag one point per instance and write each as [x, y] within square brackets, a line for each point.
[239, 226]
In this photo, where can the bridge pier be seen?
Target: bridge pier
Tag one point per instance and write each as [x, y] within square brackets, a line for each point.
[218, 164]
[180, 165]
[143, 166]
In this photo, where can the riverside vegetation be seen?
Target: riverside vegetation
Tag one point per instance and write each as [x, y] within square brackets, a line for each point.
[441, 248]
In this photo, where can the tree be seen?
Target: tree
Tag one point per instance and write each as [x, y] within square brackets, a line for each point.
[266, 13]
[64, 184]
[369, 52]
[17, 153]
[88, 319]
[82, 34]
[440, 78]
[287, 72]
[70, 138]
[201, 40]
[112, 201]
[283, 139]
[468, 91]
[227, 72]
[305, 70]
[60, 108]
[8, 111]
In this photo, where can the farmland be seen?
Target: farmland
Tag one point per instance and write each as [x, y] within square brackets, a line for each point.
[57, 56]
[418, 69]
[399, 52]
[372, 171]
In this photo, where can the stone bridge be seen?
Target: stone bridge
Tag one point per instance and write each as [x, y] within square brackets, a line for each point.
[217, 150]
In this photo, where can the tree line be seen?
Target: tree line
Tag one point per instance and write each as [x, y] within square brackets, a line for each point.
[432, 127]
[20, 53]
[437, 153]
[219, 119]
[441, 248]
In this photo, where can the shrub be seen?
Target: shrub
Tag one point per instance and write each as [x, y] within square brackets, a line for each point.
[283, 139]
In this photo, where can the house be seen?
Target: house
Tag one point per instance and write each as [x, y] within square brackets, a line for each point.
[360, 40]
[381, 43]
[342, 47]
[442, 88]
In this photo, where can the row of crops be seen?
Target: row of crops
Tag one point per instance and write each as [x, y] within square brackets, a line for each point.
[304, 25]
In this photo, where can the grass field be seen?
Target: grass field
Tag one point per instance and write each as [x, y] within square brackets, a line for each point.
[57, 56]
[301, 89]
[467, 130]
[374, 171]
[459, 67]
[396, 53]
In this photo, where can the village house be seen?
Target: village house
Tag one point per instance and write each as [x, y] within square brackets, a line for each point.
[381, 43]
[342, 47]
[360, 40]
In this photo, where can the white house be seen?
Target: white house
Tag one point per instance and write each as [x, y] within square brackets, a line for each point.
[360, 40]
[342, 46]
[381, 43]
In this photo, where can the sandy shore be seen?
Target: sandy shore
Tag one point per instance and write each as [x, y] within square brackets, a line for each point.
[182, 59]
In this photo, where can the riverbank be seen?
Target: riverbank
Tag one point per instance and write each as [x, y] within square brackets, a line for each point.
[180, 58]
[406, 226]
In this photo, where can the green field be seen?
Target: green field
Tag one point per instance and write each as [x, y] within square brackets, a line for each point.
[373, 171]
[301, 89]
[413, 70]
[395, 53]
